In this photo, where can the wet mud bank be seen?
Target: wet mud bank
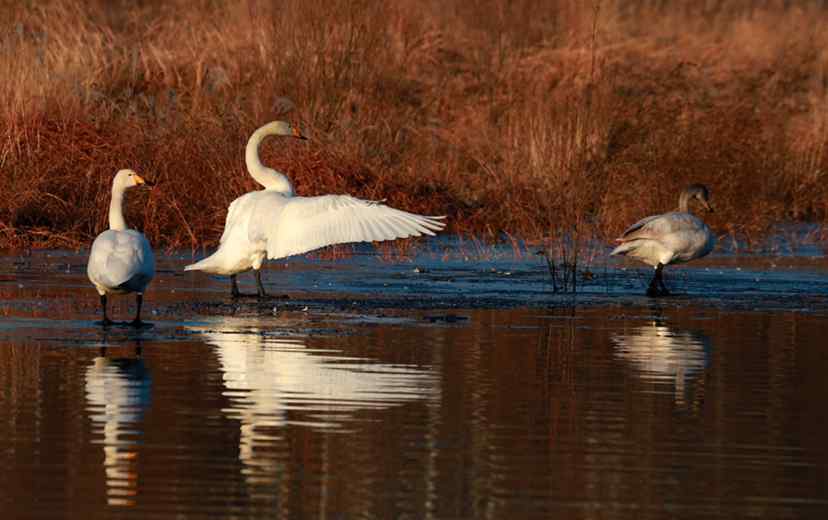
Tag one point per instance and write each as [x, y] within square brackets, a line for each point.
[436, 289]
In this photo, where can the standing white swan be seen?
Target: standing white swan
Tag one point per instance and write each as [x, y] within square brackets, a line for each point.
[121, 260]
[274, 223]
[669, 238]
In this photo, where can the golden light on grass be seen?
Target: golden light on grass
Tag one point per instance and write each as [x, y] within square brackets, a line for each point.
[519, 117]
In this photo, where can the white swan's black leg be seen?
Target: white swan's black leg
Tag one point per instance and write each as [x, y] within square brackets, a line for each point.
[106, 321]
[139, 300]
[234, 287]
[260, 290]
[236, 293]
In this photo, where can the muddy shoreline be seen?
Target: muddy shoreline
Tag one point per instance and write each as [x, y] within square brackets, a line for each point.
[53, 284]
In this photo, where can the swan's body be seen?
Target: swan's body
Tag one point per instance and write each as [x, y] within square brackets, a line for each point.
[669, 238]
[274, 223]
[121, 260]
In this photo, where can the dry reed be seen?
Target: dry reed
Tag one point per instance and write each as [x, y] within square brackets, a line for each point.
[520, 117]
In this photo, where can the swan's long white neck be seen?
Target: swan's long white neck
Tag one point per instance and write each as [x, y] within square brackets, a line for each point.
[267, 177]
[116, 209]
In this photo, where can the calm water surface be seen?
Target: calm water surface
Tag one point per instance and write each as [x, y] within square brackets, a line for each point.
[604, 411]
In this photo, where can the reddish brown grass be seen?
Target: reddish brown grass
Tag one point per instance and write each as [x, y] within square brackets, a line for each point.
[528, 117]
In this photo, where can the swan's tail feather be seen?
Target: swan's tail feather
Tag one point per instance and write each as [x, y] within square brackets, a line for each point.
[205, 264]
[623, 249]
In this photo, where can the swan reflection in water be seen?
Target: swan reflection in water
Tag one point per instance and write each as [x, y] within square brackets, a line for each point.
[118, 392]
[274, 381]
[661, 354]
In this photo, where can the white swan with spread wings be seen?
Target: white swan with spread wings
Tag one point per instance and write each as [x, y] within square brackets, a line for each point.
[275, 223]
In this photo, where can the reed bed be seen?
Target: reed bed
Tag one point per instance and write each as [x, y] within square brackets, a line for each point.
[515, 118]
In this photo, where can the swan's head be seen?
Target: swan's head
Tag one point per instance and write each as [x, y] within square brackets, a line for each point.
[700, 193]
[283, 128]
[125, 179]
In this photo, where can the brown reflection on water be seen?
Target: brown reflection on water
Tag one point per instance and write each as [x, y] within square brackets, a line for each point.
[614, 412]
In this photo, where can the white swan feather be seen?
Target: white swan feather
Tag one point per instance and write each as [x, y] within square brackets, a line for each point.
[292, 226]
[121, 261]
[665, 239]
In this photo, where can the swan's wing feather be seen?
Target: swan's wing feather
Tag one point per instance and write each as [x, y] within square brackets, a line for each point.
[238, 216]
[658, 226]
[265, 212]
[638, 225]
[120, 256]
[308, 223]
[235, 252]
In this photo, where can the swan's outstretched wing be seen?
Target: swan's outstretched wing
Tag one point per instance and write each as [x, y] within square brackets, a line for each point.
[308, 223]
[658, 226]
[121, 258]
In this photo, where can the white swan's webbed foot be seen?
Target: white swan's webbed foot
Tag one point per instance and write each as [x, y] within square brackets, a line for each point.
[240, 295]
[140, 324]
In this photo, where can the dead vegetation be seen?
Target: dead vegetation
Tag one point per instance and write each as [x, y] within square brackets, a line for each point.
[522, 117]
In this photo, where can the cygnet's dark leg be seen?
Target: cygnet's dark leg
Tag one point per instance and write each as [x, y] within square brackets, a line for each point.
[139, 300]
[260, 290]
[662, 287]
[652, 290]
[106, 321]
[234, 287]
[657, 287]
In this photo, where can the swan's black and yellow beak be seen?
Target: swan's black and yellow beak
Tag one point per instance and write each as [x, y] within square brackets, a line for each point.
[140, 181]
[298, 133]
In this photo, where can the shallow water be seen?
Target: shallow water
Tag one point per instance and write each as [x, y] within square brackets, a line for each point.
[426, 388]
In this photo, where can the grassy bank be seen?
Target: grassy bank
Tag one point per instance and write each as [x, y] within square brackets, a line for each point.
[524, 117]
